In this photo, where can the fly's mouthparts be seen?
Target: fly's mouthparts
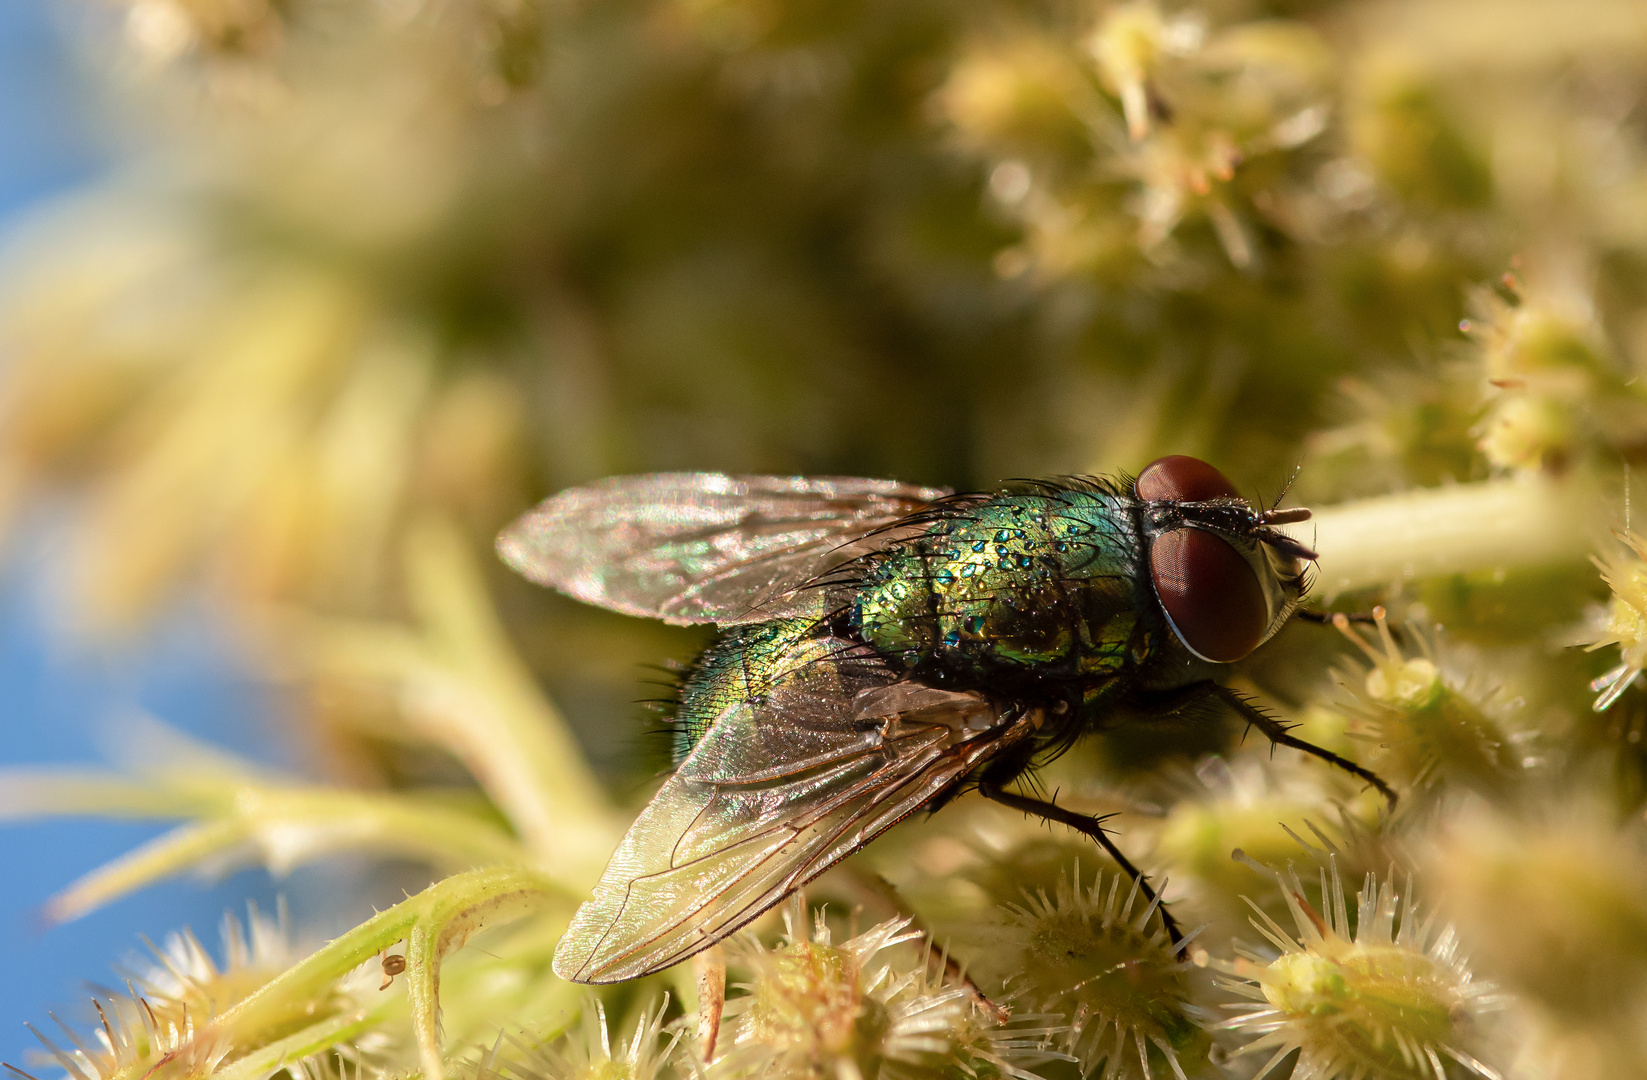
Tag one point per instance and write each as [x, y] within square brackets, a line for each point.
[1280, 540]
[1286, 545]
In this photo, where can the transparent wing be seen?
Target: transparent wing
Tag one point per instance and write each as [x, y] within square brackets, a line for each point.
[776, 792]
[701, 547]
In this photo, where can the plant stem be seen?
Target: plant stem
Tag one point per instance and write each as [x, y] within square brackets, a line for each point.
[1429, 532]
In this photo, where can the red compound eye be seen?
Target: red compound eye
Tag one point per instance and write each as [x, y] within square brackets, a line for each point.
[1210, 593]
[1183, 478]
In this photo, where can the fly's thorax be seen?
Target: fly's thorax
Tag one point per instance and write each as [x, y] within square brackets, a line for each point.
[1048, 581]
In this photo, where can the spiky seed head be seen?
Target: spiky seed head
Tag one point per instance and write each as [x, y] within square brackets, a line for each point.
[1099, 958]
[1551, 381]
[813, 1002]
[1125, 47]
[182, 973]
[1625, 622]
[1394, 679]
[587, 1052]
[168, 1021]
[864, 1008]
[584, 1051]
[1384, 997]
[1425, 725]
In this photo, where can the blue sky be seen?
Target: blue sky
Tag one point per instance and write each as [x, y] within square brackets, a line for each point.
[44, 141]
[55, 696]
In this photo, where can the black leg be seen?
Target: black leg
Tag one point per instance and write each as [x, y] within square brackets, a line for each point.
[1277, 733]
[1089, 826]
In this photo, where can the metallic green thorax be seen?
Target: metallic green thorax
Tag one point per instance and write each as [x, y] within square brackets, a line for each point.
[1046, 585]
[1043, 580]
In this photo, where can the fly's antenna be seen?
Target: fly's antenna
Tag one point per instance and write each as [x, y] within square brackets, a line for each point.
[1274, 515]
[1286, 487]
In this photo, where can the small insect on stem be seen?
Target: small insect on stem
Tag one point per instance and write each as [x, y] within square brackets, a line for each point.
[393, 964]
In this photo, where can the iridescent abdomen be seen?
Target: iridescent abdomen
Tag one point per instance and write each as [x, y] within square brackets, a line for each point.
[1042, 581]
[741, 665]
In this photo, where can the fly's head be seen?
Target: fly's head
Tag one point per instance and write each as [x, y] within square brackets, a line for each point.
[1226, 576]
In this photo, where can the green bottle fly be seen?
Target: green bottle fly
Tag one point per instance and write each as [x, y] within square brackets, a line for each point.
[887, 647]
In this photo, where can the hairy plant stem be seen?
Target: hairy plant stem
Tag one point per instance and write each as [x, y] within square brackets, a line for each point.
[1430, 532]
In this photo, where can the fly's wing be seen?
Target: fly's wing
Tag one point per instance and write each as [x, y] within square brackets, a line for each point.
[777, 791]
[701, 547]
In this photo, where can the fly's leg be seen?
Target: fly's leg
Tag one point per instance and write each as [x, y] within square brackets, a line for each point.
[990, 788]
[1169, 701]
[1279, 734]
